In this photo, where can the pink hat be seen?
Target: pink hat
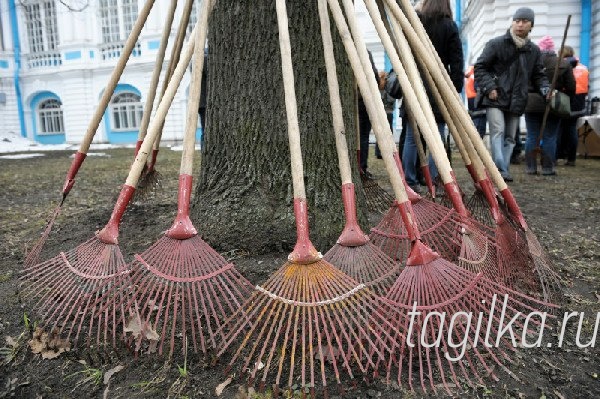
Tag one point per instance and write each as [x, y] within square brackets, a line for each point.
[546, 43]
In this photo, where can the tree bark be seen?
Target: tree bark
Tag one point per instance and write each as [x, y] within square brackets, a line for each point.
[244, 195]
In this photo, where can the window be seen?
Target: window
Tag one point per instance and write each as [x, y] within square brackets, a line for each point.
[117, 18]
[51, 117]
[126, 111]
[194, 15]
[41, 22]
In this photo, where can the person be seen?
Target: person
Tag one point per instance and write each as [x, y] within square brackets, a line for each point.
[503, 72]
[567, 136]
[477, 114]
[389, 102]
[436, 16]
[364, 128]
[535, 109]
[203, 102]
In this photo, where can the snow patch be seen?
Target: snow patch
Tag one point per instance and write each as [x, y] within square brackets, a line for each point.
[22, 156]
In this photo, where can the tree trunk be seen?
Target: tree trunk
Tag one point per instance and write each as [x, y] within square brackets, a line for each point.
[244, 193]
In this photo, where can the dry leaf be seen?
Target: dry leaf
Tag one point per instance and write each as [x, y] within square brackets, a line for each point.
[558, 394]
[50, 346]
[10, 341]
[219, 389]
[110, 373]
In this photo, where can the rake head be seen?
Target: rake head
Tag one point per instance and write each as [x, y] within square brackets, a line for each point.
[150, 181]
[378, 200]
[440, 228]
[69, 291]
[366, 264]
[443, 319]
[33, 255]
[306, 325]
[184, 290]
[549, 281]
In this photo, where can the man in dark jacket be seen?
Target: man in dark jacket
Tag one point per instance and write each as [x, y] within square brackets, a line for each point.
[505, 69]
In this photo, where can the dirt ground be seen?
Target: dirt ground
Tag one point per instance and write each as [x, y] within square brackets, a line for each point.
[564, 212]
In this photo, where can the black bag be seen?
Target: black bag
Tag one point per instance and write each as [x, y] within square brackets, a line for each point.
[560, 104]
[392, 86]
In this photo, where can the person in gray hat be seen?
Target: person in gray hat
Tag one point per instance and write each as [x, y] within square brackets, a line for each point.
[508, 65]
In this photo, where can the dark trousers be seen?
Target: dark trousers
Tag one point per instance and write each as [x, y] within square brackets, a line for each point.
[364, 127]
[202, 112]
[390, 118]
[567, 140]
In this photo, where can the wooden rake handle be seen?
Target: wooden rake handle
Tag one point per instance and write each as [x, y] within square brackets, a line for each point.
[304, 252]
[175, 54]
[183, 227]
[158, 63]
[334, 95]
[162, 110]
[115, 76]
[105, 99]
[382, 131]
[417, 100]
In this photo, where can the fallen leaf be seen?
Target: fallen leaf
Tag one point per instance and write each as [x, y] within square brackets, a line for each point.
[597, 296]
[10, 341]
[110, 373]
[558, 394]
[219, 389]
[50, 345]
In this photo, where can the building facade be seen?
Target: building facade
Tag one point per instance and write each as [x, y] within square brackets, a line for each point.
[55, 63]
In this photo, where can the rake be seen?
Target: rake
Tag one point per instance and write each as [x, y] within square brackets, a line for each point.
[148, 180]
[449, 231]
[183, 287]
[436, 285]
[308, 318]
[353, 253]
[377, 198]
[33, 255]
[73, 286]
[151, 178]
[539, 263]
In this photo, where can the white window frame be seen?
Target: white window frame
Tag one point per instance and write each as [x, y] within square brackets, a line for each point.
[50, 117]
[42, 31]
[117, 18]
[125, 115]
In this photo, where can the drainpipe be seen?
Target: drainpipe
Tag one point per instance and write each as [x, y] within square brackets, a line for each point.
[458, 13]
[586, 32]
[17, 55]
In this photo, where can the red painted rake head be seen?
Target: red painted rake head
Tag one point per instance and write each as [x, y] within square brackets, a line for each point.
[70, 290]
[307, 326]
[184, 290]
[458, 313]
[33, 255]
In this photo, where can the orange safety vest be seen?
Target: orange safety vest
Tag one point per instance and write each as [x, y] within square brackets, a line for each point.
[582, 79]
[470, 82]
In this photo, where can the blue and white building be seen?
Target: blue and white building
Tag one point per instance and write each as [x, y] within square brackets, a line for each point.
[55, 63]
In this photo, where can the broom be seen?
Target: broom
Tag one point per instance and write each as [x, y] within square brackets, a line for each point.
[151, 178]
[433, 282]
[33, 255]
[449, 231]
[72, 286]
[353, 253]
[183, 287]
[308, 318]
[539, 263]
